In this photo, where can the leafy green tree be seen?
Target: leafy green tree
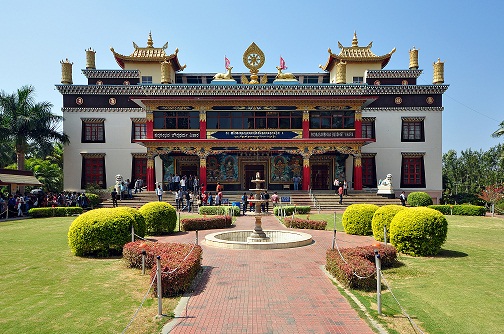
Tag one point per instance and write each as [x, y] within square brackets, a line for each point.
[25, 122]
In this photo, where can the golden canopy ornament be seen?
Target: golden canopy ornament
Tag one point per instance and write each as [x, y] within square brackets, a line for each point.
[253, 59]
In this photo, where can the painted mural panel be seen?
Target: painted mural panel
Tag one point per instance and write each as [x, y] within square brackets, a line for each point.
[222, 168]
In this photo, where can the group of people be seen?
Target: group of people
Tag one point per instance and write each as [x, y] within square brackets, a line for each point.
[19, 204]
[248, 202]
[341, 189]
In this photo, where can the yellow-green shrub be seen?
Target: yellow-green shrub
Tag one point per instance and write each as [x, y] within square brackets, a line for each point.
[382, 217]
[160, 217]
[357, 218]
[103, 232]
[418, 231]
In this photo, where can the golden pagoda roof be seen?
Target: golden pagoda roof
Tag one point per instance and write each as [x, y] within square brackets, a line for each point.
[356, 53]
[149, 54]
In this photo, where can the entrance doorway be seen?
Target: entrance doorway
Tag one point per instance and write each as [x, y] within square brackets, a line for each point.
[189, 170]
[320, 177]
[250, 174]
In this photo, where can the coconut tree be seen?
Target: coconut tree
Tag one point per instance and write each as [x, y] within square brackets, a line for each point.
[25, 122]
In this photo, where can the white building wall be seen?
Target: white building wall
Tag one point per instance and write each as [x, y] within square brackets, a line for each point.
[389, 147]
[118, 147]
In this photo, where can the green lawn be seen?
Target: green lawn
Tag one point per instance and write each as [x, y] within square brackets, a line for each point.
[459, 291]
[46, 289]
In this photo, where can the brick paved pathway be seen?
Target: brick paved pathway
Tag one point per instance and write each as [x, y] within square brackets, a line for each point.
[267, 291]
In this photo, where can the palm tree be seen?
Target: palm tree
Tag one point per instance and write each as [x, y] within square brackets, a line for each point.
[500, 131]
[24, 122]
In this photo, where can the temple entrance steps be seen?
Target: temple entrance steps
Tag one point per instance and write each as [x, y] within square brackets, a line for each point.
[323, 200]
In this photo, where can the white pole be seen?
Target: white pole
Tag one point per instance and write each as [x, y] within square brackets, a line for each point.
[159, 292]
[132, 233]
[378, 281]
[143, 262]
[385, 234]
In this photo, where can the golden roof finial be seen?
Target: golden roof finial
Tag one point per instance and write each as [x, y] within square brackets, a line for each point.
[150, 43]
[355, 42]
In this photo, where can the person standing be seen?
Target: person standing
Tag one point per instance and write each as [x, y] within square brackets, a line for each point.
[274, 199]
[336, 185]
[244, 203]
[159, 193]
[340, 193]
[296, 179]
[267, 198]
[113, 194]
[402, 197]
[345, 188]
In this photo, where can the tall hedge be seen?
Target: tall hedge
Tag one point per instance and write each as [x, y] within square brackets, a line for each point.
[382, 217]
[418, 231]
[357, 218]
[104, 232]
[160, 217]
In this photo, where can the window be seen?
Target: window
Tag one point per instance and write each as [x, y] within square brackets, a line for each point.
[368, 128]
[369, 172]
[174, 120]
[358, 80]
[332, 120]
[93, 170]
[93, 131]
[139, 169]
[138, 131]
[254, 120]
[146, 79]
[412, 171]
[412, 130]
[311, 79]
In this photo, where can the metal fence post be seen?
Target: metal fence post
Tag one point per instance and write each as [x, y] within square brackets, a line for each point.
[132, 233]
[144, 253]
[385, 234]
[159, 292]
[378, 281]
[196, 237]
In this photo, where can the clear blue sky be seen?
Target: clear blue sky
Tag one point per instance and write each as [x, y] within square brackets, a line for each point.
[466, 35]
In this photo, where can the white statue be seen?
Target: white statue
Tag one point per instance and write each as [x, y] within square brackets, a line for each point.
[119, 179]
[258, 176]
[385, 187]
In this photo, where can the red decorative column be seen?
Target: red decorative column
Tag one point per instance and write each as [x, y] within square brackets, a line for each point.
[202, 171]
[306, 173]
[151, 175]
[306, 124]
[357, 173]
[149, 124]
[203, 127]
[358, 123]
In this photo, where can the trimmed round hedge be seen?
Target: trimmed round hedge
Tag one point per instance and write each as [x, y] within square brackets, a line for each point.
[104, 232]
[418, 231]
[357, 218]
[382, 217]
[419, 198]
[160, 217]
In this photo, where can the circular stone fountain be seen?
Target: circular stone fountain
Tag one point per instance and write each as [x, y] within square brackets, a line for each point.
[258, 239]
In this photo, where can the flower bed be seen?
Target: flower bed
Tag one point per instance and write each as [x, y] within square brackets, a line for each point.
[305, 223]
[180, 263]
[357, 270]
[206, 223]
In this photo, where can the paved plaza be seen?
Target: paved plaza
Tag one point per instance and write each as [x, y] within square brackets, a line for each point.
[266, 291]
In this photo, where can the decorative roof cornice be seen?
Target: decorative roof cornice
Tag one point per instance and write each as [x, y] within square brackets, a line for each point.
[405, 109]
[67, 110]
[392, 74]
[212, 90]
[114, 74]
[405, 89]
[250, 90]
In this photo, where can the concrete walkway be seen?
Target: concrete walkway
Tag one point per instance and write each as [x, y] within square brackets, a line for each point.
[266, 291]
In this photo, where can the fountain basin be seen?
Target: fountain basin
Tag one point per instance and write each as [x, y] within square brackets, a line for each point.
[277, 239]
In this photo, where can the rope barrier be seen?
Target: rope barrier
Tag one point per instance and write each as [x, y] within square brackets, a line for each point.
[150, 287]
[415, 327]
[139, 307]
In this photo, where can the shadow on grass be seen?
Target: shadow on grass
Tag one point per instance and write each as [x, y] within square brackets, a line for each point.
[450, 253]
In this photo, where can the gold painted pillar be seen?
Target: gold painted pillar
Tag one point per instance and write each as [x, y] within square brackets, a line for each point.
[358, 123]
[202, 172]
[203, 125]
[151, 172]
[306, 123]
[149, 124]
[306, 172]
[357, 172]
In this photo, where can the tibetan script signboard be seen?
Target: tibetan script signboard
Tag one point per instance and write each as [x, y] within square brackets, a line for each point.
[331, 134]
[254, 134]
[176, 135]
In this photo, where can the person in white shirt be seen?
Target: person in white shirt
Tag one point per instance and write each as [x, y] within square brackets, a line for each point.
[159, 192]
